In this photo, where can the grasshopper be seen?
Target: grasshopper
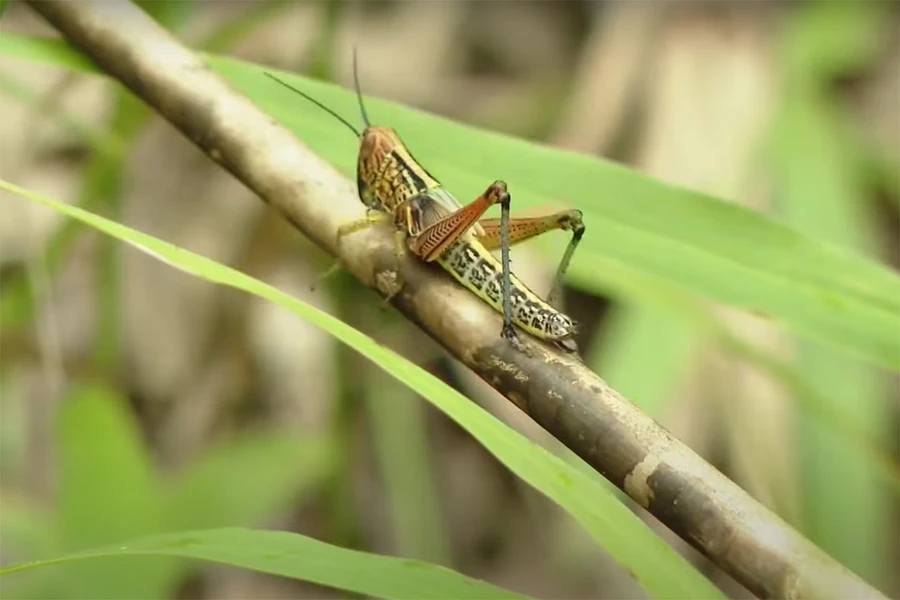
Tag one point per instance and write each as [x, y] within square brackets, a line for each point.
[431, 223]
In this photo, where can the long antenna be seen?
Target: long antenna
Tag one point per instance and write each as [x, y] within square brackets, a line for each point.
[362, 107]
[322, 106]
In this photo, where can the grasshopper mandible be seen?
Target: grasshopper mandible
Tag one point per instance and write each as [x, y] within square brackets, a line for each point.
[436, 227]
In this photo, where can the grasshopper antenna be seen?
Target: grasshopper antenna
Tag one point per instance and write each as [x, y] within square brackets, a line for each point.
[362, 107]
[320, 105]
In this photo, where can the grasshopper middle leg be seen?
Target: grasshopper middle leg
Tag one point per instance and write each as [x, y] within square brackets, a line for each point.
[373, 217]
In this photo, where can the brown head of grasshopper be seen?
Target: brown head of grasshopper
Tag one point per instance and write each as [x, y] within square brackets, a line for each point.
[386, 174]
[436, 227]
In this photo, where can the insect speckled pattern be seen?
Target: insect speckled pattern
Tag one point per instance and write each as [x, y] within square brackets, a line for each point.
[437, 228]
[477, 269]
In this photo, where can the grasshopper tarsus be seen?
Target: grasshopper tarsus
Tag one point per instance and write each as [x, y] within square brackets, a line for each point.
[511, 335]
[325, 275]
[568, 345]
[386, 301]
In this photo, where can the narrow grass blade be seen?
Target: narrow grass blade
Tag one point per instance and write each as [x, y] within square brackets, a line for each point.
[300, 557]
[656, 566]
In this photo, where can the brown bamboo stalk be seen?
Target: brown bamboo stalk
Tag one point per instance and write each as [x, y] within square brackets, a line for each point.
[663, 475]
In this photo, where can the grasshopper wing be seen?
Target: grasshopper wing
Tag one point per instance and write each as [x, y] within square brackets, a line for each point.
[435, 205]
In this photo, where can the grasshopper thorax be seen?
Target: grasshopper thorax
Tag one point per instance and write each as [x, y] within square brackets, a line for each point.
[387, 174]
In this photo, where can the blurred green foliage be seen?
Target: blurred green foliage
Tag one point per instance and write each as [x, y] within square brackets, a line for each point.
[297, 556]
[656, 566]
[110, 491]
[818, 158]
[656, 251]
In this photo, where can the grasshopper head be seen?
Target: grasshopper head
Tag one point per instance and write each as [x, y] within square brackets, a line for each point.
[387, 174]
[375, 145]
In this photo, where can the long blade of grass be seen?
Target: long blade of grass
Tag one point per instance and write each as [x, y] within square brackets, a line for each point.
[659, 569]
[300, 557]
[107, 491]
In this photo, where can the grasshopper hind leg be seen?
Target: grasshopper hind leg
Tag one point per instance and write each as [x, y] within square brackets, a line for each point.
[509, 330]
[524, 228]
[574, 223]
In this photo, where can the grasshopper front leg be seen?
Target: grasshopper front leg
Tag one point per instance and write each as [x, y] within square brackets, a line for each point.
[373, 217]
[525, 228]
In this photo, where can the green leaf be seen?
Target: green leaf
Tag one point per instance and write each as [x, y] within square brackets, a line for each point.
[28, 532]
[26, 529]
[293, 555]
[107, 492]
[246, 479]
[816, 159]
[45, 50]
[826, 39]
[628, 540]
[401, 447]
[225, 35]
[171, 14]
[720, 250]
[641, 340]
[243, 481]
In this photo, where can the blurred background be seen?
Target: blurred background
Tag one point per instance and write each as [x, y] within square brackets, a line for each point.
[136, 398]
